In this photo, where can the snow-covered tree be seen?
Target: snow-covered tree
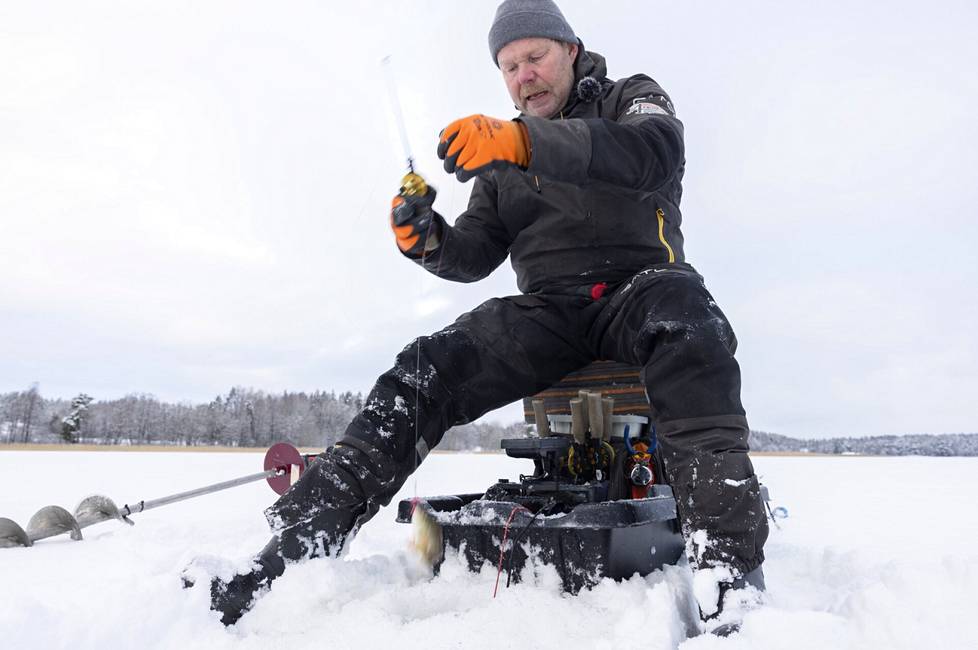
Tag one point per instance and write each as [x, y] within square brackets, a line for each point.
[72, 423]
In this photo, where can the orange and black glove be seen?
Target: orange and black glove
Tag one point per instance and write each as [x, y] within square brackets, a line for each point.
[476, 144]
[414, 224]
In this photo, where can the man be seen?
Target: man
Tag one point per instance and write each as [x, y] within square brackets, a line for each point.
[582, 192]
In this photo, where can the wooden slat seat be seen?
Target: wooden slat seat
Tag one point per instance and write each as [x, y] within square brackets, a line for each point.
[618, 380]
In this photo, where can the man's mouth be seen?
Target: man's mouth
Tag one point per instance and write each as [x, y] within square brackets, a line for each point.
[535, 96]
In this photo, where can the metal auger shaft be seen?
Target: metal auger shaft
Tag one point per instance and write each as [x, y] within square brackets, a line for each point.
[142, 506]
[283, 465]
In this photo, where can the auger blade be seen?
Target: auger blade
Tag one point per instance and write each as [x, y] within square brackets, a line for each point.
[12, 535]
[97, 508]
[50, 521]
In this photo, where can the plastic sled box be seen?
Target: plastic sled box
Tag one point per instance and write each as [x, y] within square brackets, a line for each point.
[591, 541]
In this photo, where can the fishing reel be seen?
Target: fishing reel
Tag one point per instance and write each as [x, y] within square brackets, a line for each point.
[639, 463]
[590, 460]
[413, 185]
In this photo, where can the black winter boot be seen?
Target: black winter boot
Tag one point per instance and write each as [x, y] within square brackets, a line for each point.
[736, 599]
[316, 518]
[232, 599]
[324, 535]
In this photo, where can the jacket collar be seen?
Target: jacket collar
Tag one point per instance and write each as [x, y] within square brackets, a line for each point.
[590, 79]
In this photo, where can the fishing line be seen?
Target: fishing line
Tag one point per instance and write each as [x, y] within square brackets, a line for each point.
[412, 183]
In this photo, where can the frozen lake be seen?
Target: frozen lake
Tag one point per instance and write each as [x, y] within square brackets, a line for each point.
[876, 553]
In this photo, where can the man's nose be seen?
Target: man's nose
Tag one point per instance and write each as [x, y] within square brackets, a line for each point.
[525, 75]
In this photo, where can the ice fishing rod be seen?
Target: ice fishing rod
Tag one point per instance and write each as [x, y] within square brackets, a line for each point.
[412, 184]
[283, 466]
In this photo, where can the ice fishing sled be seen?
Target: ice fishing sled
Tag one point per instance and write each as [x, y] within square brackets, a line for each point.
[597, 504]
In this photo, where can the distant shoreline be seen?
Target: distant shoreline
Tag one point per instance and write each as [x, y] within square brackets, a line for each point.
[169, 448]
[310, 450]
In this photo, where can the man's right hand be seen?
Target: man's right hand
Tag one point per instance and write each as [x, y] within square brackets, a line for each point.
[414, 224]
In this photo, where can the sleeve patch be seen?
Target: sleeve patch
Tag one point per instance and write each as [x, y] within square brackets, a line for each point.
[650, 106]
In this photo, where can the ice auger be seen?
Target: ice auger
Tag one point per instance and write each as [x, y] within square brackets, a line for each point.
[283, 466]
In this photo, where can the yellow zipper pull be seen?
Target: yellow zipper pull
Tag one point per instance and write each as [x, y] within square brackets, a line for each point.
[662, 235]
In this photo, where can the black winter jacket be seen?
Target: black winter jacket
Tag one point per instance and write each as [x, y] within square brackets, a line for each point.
[599, 202]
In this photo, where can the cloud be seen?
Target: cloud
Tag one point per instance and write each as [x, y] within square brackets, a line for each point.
[196, 195]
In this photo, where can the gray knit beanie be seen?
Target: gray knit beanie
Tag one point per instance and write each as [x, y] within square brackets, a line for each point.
[516, 19]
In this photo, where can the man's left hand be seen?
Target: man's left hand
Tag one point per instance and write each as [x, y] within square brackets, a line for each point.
[414, 224]
[477, 143]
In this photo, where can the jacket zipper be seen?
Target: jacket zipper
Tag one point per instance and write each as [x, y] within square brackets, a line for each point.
[662, 236]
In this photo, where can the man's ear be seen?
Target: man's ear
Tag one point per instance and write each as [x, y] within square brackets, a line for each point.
[572, 50]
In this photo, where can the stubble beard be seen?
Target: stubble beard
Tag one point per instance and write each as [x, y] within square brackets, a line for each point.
[557, 101]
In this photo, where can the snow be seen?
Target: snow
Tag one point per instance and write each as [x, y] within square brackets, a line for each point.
[876, 553]
[706, 583]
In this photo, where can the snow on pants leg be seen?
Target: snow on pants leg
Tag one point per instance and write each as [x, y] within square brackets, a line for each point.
[503, 350]
[665, 321]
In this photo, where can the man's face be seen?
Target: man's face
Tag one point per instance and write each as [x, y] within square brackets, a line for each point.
[539, 74]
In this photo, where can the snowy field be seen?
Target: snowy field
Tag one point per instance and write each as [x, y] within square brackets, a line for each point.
[876, 553]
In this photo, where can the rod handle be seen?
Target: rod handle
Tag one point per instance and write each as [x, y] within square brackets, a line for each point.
[595, 415]
[540, 416]
[578, 419]
[608, 406]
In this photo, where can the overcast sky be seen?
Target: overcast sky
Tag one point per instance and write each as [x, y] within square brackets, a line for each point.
[194, 195]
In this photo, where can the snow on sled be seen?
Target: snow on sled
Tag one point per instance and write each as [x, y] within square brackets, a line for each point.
[596, 506]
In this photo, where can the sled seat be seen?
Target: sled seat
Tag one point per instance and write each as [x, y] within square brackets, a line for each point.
[620, 381]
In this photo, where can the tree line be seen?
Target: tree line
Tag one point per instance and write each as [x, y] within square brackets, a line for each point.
[922, 444]
[246, 417]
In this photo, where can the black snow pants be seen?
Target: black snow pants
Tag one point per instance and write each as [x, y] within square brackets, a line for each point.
[663, 320]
